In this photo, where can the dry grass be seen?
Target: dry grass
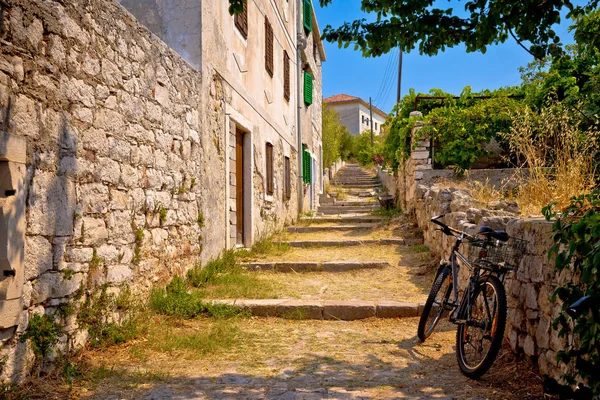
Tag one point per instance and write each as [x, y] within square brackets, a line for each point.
[559, 156]
[483, 192]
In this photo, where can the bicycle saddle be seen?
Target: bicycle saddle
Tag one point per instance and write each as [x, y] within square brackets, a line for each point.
[487, 231]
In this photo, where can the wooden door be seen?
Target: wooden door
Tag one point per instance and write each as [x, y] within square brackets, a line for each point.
[239, 185]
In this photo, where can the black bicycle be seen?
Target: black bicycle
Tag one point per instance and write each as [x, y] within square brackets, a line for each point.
[481, 311]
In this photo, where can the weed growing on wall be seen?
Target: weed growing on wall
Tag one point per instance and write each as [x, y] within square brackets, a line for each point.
[43, 332]
[96, 314]
[577, 248]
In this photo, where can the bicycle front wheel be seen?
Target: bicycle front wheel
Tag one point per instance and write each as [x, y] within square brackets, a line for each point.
[436, 304]
[479, 339]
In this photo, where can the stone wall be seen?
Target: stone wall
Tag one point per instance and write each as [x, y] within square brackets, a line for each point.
[529, 289]
[119, 156]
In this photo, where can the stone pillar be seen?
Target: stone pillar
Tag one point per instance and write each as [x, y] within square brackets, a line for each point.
[12, 227]
[420, 160]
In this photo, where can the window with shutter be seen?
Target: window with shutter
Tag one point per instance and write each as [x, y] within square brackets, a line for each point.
[287, 178]
[241, 21]
[306, 167]
[286, 76]
[269, 157]
[268, 47]
[307, 16]
[308, 88]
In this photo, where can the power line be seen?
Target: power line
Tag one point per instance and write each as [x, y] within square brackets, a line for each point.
[388, 88]
[385, 81]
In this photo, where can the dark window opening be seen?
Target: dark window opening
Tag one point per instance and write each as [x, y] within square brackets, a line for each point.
[268, 47]
[269, 156]
[241, 21]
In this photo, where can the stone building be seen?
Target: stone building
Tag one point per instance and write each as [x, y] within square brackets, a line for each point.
[354, 114]
[139, 138]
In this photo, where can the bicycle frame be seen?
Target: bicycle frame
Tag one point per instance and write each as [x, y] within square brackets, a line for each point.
[464, 303]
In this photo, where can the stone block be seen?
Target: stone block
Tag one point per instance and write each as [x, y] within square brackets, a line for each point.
[51, 207]
[395, 309]
[348, 310]
[529, 346]
[301, 309]
[542, 334]
[118, 273]
[93, 231]
[54, 285]
[263, 308]
[38, 256]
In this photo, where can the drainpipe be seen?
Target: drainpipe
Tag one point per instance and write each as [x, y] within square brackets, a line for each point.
[300, 45]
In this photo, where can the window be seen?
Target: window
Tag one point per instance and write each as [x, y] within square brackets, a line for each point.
[286, 75]
[307, 16]
[269, 157]
[308, 88]
[375, 125]
[363, 119]
[241, 21]
[268, 47]
[306, 167]
[287, 187]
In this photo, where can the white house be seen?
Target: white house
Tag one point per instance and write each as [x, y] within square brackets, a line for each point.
[354, 113]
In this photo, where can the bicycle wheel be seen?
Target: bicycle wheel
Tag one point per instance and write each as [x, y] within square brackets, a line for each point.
[478, 340]
[434, 306]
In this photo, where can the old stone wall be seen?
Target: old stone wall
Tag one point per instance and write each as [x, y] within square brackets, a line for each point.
[124, 171]
[529, 289]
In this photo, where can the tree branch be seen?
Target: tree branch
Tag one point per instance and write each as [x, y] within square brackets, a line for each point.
[521, 44]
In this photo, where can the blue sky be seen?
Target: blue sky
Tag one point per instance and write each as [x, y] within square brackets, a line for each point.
[346, 71]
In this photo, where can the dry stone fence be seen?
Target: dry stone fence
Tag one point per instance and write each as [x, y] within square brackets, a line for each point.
[529, 290]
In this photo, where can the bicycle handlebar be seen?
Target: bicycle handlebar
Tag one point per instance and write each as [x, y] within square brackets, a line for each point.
[447, 230]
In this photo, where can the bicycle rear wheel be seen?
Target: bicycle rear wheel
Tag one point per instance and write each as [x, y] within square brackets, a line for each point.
[435, 305]
[479, 339]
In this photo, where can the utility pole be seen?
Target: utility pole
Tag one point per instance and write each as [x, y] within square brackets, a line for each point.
[398, 98]
[371, 119]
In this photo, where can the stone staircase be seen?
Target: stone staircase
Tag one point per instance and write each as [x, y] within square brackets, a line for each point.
[347, 222]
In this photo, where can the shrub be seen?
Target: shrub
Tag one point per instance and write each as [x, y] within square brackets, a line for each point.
[577, 248]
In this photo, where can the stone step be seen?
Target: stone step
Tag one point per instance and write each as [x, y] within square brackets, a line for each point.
[361, 203]
[338, 207]
[345, 211]
[355, 178]
[344, 310]
[336, 228]
[344, 219]
[358, 185]
[354, 242]
[329, 266]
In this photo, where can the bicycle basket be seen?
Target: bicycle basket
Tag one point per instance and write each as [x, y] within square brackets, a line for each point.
[491, 253]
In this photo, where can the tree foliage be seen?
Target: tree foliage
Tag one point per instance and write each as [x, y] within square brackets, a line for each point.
[459, 127]
[573, 78]
[577, 249]
[432, 26]
[334, 137]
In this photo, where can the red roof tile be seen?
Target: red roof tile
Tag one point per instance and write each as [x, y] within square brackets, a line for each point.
[341, 97]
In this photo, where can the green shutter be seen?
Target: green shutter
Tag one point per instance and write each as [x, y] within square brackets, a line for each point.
[307, 11]
[308, 88]
[306, 165]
